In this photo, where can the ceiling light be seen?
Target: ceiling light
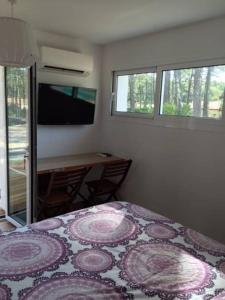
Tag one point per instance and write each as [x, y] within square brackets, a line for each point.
[17, 47]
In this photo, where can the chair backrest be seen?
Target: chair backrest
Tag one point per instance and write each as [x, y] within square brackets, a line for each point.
[67, 179]
[117, 170]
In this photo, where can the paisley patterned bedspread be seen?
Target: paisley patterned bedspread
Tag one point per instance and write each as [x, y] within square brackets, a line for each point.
[112, 251]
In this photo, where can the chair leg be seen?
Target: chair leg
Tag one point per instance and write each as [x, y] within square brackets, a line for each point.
[112, 195]
[90, 199]
[115, 197]
[41, 209]
[109, 198]
[41, 214]
[82, 196]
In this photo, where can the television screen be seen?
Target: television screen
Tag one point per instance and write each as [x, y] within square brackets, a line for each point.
[62, 105]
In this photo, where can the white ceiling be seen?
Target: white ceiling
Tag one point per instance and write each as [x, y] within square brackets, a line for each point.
[103, 21]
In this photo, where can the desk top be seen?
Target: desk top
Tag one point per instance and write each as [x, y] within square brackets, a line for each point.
[70, 162]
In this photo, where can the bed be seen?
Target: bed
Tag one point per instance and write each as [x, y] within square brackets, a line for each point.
[113, 251]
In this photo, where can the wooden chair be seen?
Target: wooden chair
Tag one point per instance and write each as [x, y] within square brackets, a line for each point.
[62, 188]
[112, 177]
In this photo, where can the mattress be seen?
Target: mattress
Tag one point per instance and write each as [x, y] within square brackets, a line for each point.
[113, 251]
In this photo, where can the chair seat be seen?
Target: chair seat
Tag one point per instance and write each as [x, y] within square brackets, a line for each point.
[56, 199]
[112, 177]
[101, 186]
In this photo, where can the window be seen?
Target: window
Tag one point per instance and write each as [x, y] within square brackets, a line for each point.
[135, 92]
[194, 92]
[184, 95]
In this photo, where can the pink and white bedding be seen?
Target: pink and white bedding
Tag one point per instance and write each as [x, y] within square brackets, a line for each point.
[114, 251]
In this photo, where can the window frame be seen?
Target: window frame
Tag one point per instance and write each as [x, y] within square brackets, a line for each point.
[187, 122]
[156, 119]
[115, 75]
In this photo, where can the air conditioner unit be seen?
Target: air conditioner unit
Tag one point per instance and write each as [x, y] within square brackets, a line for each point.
[53, 59]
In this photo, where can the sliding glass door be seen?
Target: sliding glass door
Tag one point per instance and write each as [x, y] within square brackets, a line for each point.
[18, 90]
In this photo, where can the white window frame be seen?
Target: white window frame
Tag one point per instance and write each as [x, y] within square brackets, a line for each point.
[156, 119]
[190, 122]
[114, 112]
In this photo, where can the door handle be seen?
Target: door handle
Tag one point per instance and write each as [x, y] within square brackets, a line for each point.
[24, 160]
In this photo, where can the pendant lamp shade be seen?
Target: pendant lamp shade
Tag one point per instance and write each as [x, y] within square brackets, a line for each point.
[17, 47]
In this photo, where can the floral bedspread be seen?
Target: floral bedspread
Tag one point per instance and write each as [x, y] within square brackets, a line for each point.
[112, 251]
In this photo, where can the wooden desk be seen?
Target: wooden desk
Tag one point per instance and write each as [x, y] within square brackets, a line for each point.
[72, 162]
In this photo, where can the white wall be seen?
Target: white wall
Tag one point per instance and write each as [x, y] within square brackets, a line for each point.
[63, 140]
[177, 172]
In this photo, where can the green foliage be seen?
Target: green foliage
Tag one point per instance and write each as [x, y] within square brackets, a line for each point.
[186, 110]
[144, 110]
[189, 92]
[141, 92]
[216, 90]
[16, 94]
[186, 92]
[169, 109]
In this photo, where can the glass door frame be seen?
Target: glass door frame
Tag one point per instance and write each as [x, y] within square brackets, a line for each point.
[31, 158]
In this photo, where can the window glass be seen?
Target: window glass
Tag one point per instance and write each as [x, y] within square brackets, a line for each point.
[194, 92]
[135, 92]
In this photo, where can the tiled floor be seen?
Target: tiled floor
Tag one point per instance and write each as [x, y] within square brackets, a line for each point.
[17, 185]
[6, 226]
[2, 212]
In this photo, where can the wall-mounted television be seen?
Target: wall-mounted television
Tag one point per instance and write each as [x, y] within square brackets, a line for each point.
[65, 105]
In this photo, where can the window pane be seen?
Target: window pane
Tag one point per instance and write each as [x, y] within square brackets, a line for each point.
[135, 93]
[195, 92]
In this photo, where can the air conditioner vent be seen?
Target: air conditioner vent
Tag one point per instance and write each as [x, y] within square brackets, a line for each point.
[65, 61]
